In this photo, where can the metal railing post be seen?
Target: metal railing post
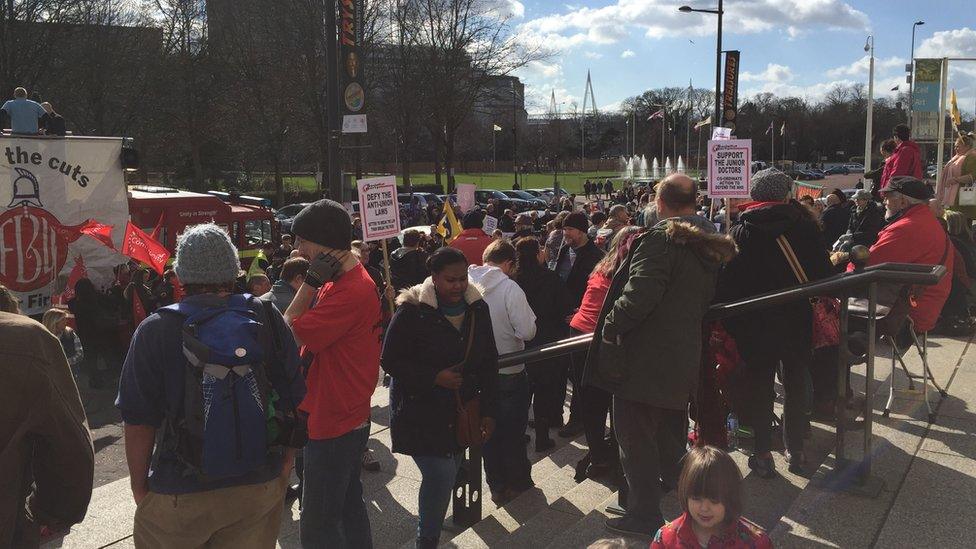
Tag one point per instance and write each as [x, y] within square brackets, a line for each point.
[869, 382]
[466, 508]
[843, 361]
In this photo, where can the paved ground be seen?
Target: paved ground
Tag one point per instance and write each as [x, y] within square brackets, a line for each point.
[928, 474]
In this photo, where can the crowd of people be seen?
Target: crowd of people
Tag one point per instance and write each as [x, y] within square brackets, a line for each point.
[230, 380]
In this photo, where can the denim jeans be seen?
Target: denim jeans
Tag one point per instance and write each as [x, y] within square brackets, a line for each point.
[437, 484]
[506, 464]
[333, 511]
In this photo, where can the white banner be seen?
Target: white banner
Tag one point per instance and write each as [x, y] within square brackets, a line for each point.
[465, 196]
[47, 184]
[729, 168]
[379, 208]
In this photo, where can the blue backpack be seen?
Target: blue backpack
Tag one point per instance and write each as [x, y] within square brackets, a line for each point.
[228, 400]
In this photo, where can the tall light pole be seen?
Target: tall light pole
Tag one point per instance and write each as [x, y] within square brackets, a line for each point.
[911, 71]
[869, 47]
[717, 121]
[627, 139]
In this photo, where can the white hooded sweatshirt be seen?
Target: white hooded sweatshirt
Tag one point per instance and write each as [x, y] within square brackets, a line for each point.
[512, 319]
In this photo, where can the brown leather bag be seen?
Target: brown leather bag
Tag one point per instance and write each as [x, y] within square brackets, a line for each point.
[468, 413]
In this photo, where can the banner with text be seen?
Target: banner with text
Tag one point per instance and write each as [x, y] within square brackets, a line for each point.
[350, 38]
[59, 198]
[379, 208]
[730, 96]
[925, 99]
[729, 163]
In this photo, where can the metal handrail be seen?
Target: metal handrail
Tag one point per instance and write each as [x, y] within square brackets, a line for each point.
[841, 284]
[467, 493]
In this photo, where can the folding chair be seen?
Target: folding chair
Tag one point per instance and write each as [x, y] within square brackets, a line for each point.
[895, 327]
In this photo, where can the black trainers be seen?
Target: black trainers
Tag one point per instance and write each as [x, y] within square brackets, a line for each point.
[633, 527]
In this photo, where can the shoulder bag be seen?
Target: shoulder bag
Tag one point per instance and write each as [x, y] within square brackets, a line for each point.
[826, 310]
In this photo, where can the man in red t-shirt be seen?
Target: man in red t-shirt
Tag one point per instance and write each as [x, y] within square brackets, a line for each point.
[341, 332]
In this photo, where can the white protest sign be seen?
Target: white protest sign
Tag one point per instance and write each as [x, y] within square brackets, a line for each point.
[722, 133]
[379, 208]
[465, 196]
[729, 173]
[490, 224]
[49, 189]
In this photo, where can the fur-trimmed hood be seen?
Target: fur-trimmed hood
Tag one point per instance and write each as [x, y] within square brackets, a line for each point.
[710, 247]
[425, 294]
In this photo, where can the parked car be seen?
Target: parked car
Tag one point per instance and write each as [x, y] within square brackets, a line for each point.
[837, 170]
[855, 167]
[813, 174]
[286, 215]
[425, 199]
[537, 203]
[505, 202]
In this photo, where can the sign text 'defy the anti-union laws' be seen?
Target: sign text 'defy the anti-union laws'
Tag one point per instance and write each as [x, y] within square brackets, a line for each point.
[379, 208]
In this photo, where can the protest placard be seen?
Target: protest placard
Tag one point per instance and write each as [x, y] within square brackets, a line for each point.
[729, 163]
[379, 208]
[489, 224]
[465, 196]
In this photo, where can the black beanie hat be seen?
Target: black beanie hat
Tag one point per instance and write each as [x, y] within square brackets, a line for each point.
[325, 223]
[577, 220]
[473, 220]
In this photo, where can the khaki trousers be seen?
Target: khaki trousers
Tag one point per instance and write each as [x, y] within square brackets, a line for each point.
[240, 517]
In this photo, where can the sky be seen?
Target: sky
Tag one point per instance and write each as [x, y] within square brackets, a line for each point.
[796, 48]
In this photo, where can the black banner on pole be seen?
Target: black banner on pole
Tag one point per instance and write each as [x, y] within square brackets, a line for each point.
[730, 96]
[351, 68]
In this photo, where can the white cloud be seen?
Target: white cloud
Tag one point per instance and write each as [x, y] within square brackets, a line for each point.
[592, 55]
[950, 43]
[506, 9]
[862, 65]
[658, 18]
[627, 54]
[773, 74]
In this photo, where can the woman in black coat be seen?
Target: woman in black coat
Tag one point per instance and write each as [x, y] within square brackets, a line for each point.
[550, 302]
[779, 334]
[439, 342]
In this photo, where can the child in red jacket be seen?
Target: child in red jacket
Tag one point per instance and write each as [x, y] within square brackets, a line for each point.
[710, 492]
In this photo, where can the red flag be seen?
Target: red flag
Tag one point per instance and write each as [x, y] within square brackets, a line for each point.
[140, 246]
[99, 231]
[138, 311]
[77, 273]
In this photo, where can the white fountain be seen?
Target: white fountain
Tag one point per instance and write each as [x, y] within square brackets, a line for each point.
[655, 169]
[643, 167]
[681, 164]
[626, 170]
[667, 166]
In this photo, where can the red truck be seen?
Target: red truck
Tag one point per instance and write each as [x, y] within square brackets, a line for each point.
[248, 220]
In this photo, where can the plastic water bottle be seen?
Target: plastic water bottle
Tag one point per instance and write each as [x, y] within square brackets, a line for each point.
[732, 428]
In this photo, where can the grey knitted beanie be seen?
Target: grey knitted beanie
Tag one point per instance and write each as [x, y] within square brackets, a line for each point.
[205, 255]
[771, 185]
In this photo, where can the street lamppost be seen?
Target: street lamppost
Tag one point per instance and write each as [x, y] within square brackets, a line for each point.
[911, 71]
[717, 121]
[627, 139]
[869, 47]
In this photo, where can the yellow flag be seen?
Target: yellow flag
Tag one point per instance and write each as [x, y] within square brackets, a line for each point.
[255, 268]
[954, 110]
[449, 227]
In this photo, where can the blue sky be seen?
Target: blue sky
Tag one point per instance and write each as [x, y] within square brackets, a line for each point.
[789, 47]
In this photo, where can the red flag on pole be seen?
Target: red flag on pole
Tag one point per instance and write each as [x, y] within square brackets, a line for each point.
[140, 246]
[159, 225]
[78, 272]
[99, 231]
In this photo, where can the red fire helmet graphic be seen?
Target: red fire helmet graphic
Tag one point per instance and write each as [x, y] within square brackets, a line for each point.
[34, 243]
